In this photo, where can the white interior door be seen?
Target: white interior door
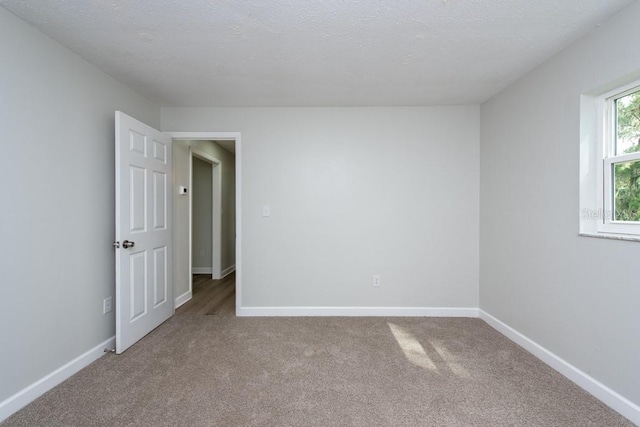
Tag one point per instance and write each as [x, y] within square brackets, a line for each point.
[143, 229]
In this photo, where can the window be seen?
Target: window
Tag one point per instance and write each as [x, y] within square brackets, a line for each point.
[621, 161]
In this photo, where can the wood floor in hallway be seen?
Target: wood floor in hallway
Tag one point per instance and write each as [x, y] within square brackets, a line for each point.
[211, 296]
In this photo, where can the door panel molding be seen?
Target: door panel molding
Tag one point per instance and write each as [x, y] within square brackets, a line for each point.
[144, 265]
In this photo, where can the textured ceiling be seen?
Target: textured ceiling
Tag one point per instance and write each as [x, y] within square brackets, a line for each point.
[315, 52]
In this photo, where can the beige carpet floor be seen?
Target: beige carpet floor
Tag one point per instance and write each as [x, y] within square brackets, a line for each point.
[227, 371]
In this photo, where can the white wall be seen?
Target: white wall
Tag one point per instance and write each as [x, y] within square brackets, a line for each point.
[201, 192]
[578, 297]
[354, 192]
[57, 211]
[181, 209]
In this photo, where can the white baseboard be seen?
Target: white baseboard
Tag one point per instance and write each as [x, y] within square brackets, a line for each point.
[227, 271]
[358, 311]
[182, 299]
[209, 270]
[27, 395]
[609, 397]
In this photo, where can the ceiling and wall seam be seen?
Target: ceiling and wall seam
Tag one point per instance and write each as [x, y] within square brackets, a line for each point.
[316, 53]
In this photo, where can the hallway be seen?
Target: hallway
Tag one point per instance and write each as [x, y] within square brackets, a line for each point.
[215, 297]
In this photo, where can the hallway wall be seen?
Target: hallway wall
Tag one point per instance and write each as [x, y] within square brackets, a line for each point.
[201, 192]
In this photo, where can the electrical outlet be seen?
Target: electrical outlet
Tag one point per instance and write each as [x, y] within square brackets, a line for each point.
[107, 305]
[377, 281]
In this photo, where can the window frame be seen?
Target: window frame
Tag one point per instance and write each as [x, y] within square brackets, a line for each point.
[607, 121]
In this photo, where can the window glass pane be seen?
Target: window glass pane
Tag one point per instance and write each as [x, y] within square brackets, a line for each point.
[628, 123]
[626, 191]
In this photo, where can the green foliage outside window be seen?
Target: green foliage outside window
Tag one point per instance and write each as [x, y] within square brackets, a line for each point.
[626, 188]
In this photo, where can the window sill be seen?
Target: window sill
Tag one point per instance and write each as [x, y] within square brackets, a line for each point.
[626, 237]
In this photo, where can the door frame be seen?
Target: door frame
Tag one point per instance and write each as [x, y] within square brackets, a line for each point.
[223, 136]
[216, 213]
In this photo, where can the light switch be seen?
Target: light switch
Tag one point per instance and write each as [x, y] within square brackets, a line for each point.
[266, 210]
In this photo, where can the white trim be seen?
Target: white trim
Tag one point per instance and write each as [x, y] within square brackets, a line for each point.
[238, 222]
[205, 136]
[201, 270]
[625, 237]
[30, 393]
[216, 214]
[216, 210]
[358, 311]
[207, 270]
[603, 393]
[183, 299]
[227, 271]
[606, 138]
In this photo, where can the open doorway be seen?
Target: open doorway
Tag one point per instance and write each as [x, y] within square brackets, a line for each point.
[206, 214]
[205, 232]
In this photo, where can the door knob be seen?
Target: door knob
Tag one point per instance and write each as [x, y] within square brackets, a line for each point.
[127, 244]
